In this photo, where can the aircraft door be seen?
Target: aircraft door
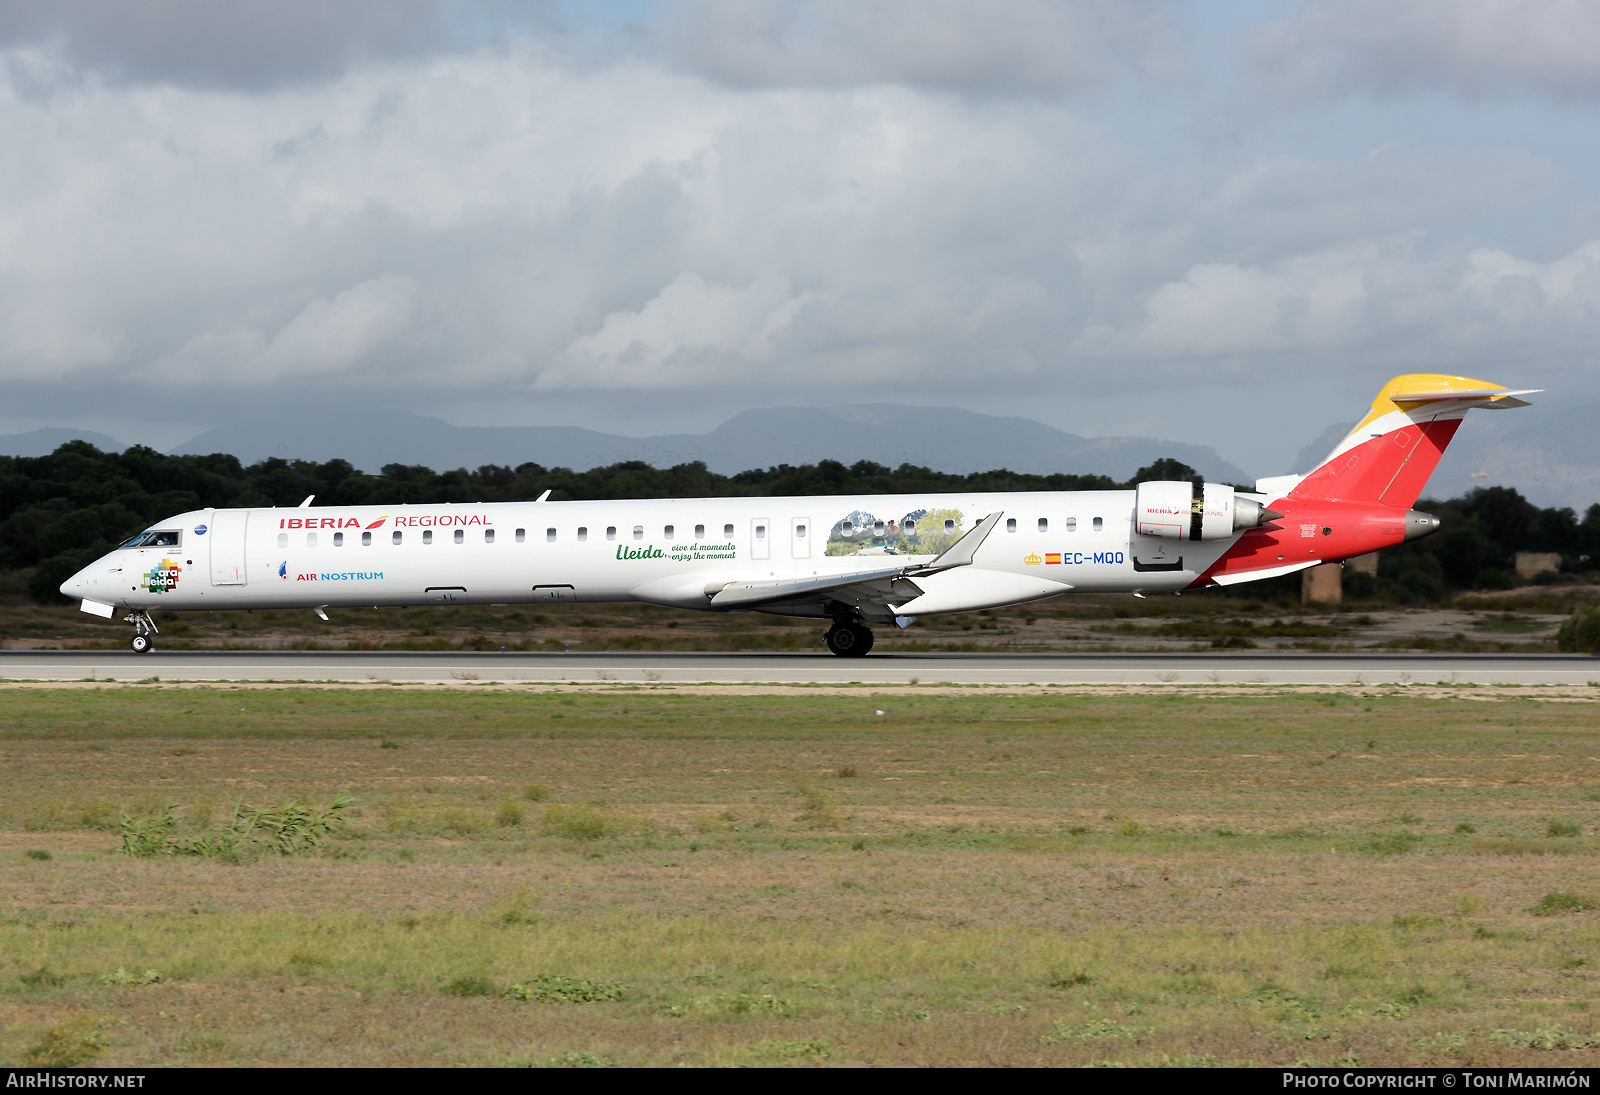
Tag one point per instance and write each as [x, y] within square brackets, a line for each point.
[227, 546]
[800, 537]
[760, 538]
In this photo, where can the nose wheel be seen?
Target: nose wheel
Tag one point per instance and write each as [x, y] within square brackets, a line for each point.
[143, 628]
[849, 640]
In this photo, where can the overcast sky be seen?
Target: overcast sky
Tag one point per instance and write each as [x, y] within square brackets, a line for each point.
[1223, 224]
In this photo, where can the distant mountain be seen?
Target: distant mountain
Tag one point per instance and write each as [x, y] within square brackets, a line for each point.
[1554, 459]
[943, 438]
[46, 441]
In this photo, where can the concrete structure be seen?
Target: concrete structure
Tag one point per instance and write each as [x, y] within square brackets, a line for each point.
[1531, 564]
[1366, 564]
[1321, 585]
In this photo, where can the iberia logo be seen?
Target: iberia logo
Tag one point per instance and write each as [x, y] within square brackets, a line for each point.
[330, 522]
[163, 578]
[1033, 560]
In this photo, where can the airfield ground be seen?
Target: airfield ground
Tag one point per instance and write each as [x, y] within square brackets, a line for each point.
[803, 876]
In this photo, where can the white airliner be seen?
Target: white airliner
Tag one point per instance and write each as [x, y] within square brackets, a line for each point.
[853, 560]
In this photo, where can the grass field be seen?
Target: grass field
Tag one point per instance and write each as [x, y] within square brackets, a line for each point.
[803, 877]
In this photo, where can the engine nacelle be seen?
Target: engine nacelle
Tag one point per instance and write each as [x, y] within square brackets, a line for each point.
[1192, 511]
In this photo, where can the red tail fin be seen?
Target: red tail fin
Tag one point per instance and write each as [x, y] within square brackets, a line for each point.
[1390, 455]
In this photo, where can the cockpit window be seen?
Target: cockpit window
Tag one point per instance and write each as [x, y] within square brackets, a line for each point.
[162, 538]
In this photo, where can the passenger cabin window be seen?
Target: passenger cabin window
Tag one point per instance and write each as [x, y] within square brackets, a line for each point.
[394, 539]
[666, 533]
[727, 532]
[522, 534]
[699, 532]
[461, 536]
[366, 539]
[311, 539]
[338, 539]
[877, 528]
[550, 534]
[638, 532]
[949, 526]
[1011, 525]
[1044, 524]
[427, 536]
[583, 533]
[488, 536]
[1072, 524]
[1098, 524]
[283, 540]
[611, 532]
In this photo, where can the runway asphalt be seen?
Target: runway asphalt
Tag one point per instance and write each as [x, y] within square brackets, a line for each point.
[821, 668]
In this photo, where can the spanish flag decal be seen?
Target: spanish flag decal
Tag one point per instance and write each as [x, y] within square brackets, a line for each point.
[1052, 557]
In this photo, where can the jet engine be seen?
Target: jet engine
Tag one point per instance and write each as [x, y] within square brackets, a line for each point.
[1194, 511]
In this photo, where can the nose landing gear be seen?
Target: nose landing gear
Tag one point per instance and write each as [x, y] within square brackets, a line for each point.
[143, 628]
[849, 639]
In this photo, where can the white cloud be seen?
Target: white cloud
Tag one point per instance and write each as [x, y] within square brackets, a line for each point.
[1471, 47]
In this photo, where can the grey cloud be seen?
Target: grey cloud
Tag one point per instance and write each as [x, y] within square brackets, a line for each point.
[583, 241]
[247, 44]
[1468, 47]
[1041, 45]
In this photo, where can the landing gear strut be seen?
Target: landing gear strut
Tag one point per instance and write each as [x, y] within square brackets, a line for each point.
[143, 628]
[849, 639]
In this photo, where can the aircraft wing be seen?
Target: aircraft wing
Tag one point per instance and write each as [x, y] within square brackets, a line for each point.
[878, 585]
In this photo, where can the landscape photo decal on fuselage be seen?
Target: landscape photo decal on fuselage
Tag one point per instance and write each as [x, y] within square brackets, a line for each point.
[920, 532]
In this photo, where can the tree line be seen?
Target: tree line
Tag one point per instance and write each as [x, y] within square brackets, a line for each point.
[62, 511]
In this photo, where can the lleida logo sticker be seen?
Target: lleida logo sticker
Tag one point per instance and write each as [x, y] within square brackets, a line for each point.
[163, 578]
[199, 530]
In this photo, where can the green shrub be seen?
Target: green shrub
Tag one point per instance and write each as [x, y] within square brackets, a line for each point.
[1557, 827]
[1555, 903]
[39, 854]
[566, 990]
[71, 1043]
[1580, 634]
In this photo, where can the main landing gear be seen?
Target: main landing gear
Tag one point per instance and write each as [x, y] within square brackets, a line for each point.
[849, 639]
[143, 628]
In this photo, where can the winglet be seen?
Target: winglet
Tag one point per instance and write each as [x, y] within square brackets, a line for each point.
[960, 553]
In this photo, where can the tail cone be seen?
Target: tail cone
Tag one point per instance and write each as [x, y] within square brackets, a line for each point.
[1419, 524]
